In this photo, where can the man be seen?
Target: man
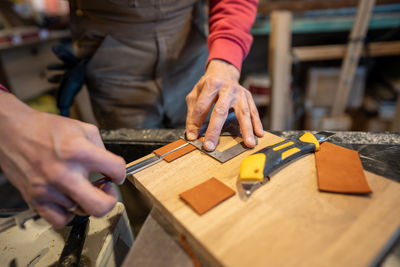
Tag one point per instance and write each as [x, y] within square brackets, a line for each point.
[147, 56]
[48, 159]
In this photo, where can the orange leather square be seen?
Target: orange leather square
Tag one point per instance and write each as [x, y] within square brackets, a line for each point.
[207, 195]
[339, 170]
[175, 154]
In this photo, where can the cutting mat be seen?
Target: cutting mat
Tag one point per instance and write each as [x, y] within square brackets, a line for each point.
[287, 222]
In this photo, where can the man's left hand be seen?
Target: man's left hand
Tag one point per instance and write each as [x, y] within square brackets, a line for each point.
[220, 85]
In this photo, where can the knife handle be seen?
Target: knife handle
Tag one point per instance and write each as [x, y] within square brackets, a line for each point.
[262, 163]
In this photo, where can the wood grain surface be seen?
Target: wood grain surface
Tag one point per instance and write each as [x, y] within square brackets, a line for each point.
[286, 222]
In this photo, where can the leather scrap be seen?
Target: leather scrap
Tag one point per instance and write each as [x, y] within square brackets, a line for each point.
[176, 154]
[340, 170]
[207, 195]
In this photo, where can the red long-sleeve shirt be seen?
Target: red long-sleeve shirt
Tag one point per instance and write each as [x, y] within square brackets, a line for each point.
[230, 23]
[3, 88]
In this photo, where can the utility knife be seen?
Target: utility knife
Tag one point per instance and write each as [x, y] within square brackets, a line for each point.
[256, 169]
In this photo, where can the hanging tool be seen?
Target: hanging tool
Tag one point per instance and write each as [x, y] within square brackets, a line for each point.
[256, 169]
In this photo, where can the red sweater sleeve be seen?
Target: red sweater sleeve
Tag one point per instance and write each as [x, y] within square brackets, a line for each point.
[3, 88]
[230, 23]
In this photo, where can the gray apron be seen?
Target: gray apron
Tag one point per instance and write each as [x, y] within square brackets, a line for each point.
[145, 57]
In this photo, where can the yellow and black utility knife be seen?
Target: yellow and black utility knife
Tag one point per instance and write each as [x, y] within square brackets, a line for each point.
[257, 168]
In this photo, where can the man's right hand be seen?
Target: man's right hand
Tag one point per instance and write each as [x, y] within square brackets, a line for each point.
[49, 158]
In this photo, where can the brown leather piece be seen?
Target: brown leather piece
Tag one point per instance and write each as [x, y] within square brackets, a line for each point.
[176, 154]
[207, 195]
[339, 170]
[179, 153]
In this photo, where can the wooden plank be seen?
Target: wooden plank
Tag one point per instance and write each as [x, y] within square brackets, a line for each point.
[330, 52]
[353, 52]
[279, 67]
[287, 222]
[266, 7]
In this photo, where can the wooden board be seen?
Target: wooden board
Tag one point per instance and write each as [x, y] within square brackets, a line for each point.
[326, 52]
[287, 222]
[280, 62]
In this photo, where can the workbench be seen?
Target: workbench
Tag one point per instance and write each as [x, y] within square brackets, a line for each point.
[157, 245]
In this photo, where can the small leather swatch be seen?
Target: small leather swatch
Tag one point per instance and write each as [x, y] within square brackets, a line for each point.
[339, 170]
[207, 195]
[175, 154]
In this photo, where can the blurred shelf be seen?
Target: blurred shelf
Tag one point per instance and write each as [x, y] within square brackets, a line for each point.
[384, 17]
[329, 52]
[267, 6]
[28, 35]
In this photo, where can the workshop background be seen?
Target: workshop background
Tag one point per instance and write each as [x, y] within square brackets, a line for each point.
[312, 35]
[293, 69]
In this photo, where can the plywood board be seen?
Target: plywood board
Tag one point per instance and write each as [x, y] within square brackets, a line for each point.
[287, 222]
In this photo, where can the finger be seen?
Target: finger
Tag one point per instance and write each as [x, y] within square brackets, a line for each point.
[110, 190]
[242, 112]
[195, 117]
[50, 194]
[93, 134]
[100, 160]
[91, 200]
[78, 211]
[54, 214]
[191, 128]
[217, 120]
[199, 104]
[255, 117]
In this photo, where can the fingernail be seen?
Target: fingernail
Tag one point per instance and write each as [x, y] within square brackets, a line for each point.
[209, 145]
[122, 180]
[251, 141]
[191, 136]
